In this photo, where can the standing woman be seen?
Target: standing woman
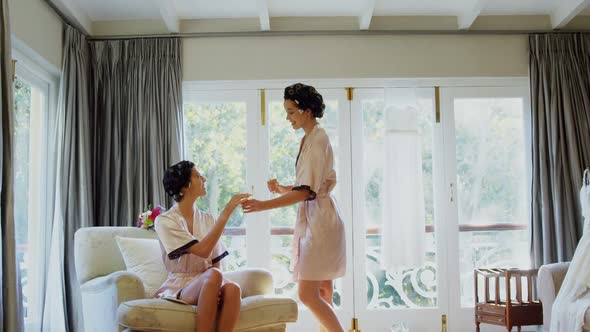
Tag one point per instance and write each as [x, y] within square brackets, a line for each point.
[319, 247]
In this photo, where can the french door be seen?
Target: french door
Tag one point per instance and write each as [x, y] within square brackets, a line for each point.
[238, 147]
[398, 210]
[426, 195]
[486, 137]
[282, 144]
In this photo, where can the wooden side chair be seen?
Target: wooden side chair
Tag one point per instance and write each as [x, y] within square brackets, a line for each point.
[508, 312]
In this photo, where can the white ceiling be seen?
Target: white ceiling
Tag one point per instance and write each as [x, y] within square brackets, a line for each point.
[104, 10]
[171, 11]
[109, 10]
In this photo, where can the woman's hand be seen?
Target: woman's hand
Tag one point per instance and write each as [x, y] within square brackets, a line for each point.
[236, 200]
[274, 186]
[253, 205]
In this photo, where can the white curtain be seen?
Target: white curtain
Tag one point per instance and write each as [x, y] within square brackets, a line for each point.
[402, 239]
[69, 190]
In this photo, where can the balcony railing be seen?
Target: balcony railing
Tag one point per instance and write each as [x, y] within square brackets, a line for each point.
[415, 288]
[284, 230]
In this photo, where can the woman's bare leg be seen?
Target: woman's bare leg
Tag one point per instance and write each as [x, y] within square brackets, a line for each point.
[231, 300]
[327, 293]
[204, 292]
[309, 294]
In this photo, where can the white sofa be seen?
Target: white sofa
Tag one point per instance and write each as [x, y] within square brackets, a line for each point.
[113, 299]
[549, 282]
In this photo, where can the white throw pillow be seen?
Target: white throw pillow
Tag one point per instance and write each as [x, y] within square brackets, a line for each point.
[144, 258]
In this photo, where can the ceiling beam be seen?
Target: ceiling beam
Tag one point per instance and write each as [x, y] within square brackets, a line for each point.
[466, 18]
[73, 14]
[168, 15]
[566, 11]
[366, 15]
[263, 15]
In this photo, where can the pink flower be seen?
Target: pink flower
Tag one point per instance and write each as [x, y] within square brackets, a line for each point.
[156, 212]
[147, 218]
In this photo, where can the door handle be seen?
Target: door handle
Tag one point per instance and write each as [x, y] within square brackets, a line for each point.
[451, 192]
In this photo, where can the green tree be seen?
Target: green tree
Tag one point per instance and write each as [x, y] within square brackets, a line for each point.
[215, 140]
[22, 112]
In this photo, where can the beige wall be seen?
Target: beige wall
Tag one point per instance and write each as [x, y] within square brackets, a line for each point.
[352, 56]
[344, 56]
[246, 58]
[285, 57]
[34, 23]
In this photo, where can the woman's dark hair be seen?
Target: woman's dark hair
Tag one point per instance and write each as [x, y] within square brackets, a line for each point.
[177, 177]
[306, 97]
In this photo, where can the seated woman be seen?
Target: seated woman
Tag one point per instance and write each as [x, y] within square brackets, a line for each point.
[191, 250]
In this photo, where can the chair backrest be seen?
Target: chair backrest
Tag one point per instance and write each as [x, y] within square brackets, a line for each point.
[96, 251]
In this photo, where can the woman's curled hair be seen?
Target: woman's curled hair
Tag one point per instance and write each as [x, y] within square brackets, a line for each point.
[306, 97]
[177, 177]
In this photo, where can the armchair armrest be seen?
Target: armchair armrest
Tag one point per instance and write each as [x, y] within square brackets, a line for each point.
[101, 297]
[549, 282]
[252, 281]
[122, 280]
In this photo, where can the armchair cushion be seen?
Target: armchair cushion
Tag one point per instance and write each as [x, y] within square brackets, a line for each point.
[97, 254]
[144, 258]
[161, 315]
[258, 308]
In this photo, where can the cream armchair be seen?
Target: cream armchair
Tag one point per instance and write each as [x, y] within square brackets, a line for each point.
[549, 281]
[113, 299]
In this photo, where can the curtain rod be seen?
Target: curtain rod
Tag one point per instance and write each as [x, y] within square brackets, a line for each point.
[333, 33]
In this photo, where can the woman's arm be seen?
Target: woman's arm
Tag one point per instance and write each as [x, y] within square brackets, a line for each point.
[275, 188]
[285, 189]
[290, 198]
[204, 247]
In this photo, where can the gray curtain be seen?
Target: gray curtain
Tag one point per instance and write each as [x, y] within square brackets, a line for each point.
[10, 306]
[73, 206]
[559, 66]
[137, 115]
[117, 127]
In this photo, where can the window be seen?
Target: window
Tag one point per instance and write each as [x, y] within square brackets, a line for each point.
[34, 96]
[215, 139]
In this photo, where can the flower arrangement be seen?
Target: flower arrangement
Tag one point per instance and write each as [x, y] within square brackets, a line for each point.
[147, 218]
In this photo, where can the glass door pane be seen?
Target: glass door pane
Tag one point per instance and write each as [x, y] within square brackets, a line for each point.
[395, 142]
[283, 149]
[489, 181]
[216, 140]
[30, 105]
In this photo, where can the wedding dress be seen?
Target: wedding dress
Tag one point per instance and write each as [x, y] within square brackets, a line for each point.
[573, 298]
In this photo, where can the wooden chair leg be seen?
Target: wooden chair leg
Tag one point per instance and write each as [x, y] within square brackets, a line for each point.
[518, 328]
[477, 327]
